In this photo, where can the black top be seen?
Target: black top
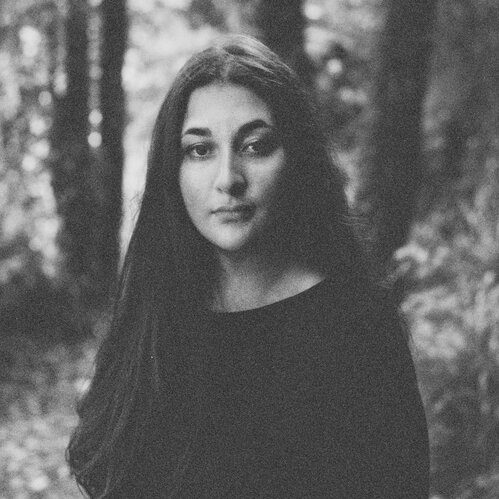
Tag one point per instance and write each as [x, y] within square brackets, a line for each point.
[313, 396]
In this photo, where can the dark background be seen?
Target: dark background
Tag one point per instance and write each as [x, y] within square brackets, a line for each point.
[409, 91]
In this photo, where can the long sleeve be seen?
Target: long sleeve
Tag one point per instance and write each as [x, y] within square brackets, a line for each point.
[396, 439]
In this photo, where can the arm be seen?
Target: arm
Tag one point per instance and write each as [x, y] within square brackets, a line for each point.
[398, 435]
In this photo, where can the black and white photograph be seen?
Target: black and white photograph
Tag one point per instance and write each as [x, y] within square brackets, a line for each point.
[249, 249]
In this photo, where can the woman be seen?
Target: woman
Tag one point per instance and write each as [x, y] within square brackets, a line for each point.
[249, 354]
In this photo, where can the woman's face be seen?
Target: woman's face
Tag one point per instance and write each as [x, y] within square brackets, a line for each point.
[233, 167]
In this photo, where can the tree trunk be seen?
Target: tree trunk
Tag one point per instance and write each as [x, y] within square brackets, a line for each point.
[277, 23]
[281, 24]
[112, 103]
[70, 161]
[392, 167]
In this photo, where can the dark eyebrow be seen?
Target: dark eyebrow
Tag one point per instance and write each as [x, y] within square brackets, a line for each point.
[204, 132]
[250, 126]
[244, 130]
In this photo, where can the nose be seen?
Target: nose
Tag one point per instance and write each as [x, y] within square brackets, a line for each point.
[230, 178]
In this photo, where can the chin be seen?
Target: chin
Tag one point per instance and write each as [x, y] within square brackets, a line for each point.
[234, 246]
[233, 240]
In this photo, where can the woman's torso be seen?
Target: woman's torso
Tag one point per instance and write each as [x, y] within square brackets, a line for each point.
[306, 397]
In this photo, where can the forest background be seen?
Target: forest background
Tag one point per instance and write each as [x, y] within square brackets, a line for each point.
[409, 91]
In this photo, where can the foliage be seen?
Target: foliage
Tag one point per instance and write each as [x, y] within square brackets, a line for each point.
[27, 204]
[451, 267]
[37, 416]
[30, 293]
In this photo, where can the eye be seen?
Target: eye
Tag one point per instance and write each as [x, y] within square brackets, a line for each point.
[259, 147]
[197, 151]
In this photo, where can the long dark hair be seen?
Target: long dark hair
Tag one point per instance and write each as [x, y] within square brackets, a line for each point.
[166, 272]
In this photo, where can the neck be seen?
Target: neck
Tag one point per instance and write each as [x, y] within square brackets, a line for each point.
[252, 281]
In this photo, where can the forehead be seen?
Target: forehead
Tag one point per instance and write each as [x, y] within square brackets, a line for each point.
[220, 103]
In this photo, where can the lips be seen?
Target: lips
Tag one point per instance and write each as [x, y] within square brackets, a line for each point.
[236, 212]
[234, 209]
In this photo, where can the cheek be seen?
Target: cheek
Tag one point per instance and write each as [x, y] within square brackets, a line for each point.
[273, 185]
[191, 191]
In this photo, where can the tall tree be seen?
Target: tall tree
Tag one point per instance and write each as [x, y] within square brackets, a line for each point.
[277, 23]
[70, 151]
[281, 26]
[392, 161]
[112, 103]
[461, 52]
[468, 403]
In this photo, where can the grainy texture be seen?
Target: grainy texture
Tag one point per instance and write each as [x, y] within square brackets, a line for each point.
[301, 398]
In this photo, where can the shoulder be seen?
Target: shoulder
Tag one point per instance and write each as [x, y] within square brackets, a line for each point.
[363, 305]
[369, 332]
